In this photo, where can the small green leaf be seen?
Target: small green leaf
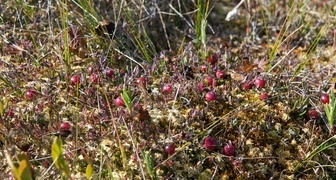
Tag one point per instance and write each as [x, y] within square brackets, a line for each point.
[89, 171]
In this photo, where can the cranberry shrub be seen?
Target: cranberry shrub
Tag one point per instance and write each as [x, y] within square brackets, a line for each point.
[181, 117]
[233, 111]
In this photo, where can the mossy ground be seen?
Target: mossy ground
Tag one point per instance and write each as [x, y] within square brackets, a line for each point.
[291, 46]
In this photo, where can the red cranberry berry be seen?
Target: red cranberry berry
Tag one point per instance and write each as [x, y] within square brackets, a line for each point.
[264, 96]
[109, 73]
[141, 81]
[65, 129]
[313, 114]
[65, 126]
[200, 86]
[203, 68]
[259, 82]
[247, 86]
[75, 80]
[118, 101]
[170, 149]
[90, 70]
[210, 96]
[167, 88]
[30, 94]
[210, 144]
[209, 81]
[94, 78]
[324, 99]
[229, 150]
[10, 113]
[220, 74]
[212, 59]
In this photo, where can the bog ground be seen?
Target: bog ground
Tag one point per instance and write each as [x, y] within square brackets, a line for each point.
[167, 89]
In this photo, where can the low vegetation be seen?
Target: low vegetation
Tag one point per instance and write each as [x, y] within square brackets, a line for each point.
[200, 89]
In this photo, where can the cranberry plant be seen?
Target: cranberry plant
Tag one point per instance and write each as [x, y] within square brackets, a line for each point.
[143, 90]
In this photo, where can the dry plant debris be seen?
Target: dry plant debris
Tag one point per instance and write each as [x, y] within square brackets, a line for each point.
[135, 98]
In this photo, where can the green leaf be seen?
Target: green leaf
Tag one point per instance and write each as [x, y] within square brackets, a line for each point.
[149, 164]
[1, 108]
[123, 154]
[57, 156]
[56, 151]
[89, 171]
[127, 98]
[330, 110]
[3, 105]
[24, 168]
